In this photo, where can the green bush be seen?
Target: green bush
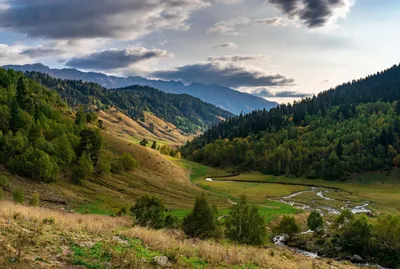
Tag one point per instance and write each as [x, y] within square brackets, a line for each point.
[149, 212]
[315, 222]
[35, 199]
[18, 196]
[104, 164]
[1, 193]
[287, 225]
[4, 182]
[171, 222]
[245, 224]
[202, 221]
[128, 162]
[117, 167]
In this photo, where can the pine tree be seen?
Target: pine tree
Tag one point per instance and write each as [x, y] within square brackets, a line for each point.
[202, 221]
[24, 100]
[154, 145]
[15, 121]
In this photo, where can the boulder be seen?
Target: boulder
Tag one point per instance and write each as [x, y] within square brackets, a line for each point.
[162, 261]
[356, 259]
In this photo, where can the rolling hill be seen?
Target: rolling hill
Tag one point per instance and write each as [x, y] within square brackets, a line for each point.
[223, 97]
[189, 114]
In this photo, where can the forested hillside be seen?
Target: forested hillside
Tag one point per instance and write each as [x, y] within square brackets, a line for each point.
[188, 113]
[40, 139]
[223, 97]
[352, 128]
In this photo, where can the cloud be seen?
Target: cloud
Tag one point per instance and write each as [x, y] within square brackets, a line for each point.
[275, 21]
[80, 19]
[223, 73]
[229, 27]
[314, 13]
[40, 52]
[262, 92]
[236, 58]
[12, 55]
[229, 45]
[116, 59]
[229, 1]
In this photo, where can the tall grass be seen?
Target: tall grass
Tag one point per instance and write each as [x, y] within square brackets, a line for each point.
[64, 221]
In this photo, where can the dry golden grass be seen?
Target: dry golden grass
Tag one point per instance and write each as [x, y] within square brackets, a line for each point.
[217, 254]
[89, 228]
[64, 221]
[118, 124]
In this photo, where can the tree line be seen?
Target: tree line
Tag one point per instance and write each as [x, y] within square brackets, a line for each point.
[328, 147]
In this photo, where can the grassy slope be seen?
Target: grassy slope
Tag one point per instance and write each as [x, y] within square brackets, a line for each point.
[164, 132]
[54, 239]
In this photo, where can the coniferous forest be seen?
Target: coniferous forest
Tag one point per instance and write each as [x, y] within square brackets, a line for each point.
[188, 113]
[352, 128]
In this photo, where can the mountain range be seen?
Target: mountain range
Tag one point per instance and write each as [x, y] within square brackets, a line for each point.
[223, 97]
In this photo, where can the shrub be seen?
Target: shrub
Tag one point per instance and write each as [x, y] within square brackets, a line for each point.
[245, 224]
[202, 221]
[345, 217]
[123, 211]
[35, 199]
[104, 164]
[171, 222]
[4, 182]
[18, 196]
[117, 166]
[287, 225]
[128, 162]
[1, 193]
[149, 212]
[165, 150]
[315, 222]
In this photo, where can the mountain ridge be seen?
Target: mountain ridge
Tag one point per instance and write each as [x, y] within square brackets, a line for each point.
[220, 96]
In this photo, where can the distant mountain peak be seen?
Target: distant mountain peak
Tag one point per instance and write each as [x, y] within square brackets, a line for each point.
[220, 96]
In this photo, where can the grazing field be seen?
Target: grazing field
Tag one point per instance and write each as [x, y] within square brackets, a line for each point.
[381, 188]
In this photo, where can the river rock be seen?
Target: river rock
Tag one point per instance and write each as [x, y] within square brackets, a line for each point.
[356, 259]
[162, 261]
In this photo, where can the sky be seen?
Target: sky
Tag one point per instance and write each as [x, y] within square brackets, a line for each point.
[281, 50]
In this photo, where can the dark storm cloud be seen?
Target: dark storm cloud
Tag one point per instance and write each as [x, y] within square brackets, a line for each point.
[229, 75]
[74, 19]
[114, 59]
[267, 93]
[313, 13]
[40, 52]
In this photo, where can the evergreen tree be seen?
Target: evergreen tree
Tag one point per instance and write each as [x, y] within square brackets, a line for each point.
[23, 98]
[154, 145]
[245, 224]
[149, 212]
[144, 142]
[84, 169]
[15, 121]
[202, 221]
